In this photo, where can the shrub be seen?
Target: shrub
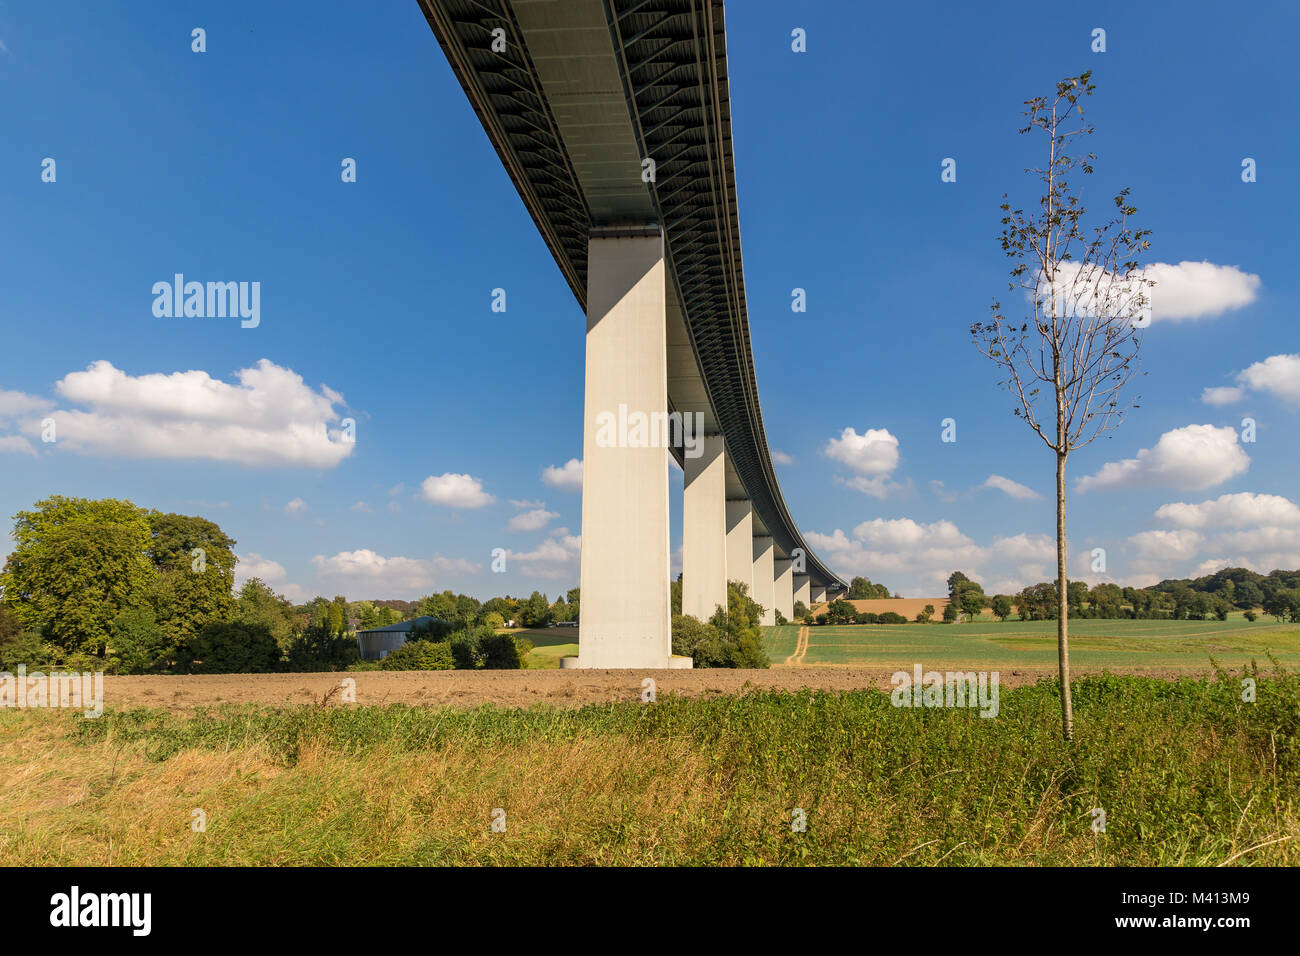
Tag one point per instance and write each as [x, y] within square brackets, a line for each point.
[822, 618]
[464, 651]
[420, 656]
[231, 647]
[728, 639]
[1249, 615]
[499, 652]
[891, 617]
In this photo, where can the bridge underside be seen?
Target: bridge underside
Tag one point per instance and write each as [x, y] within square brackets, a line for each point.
[612, 119]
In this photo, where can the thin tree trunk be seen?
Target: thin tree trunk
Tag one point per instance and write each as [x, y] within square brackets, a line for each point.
[1063, 609]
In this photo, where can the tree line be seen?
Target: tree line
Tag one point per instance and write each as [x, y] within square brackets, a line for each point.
[103, 584]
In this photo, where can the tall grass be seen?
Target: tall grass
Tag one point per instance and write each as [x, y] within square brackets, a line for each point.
[1186, 772]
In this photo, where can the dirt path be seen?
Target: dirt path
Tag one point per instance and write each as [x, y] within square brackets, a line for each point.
[559, 688]
[800, 648]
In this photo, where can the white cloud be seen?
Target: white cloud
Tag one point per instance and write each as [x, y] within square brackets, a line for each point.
[364, 573]
[1277, 374]
[17, 444]
[297, 506]
[1024, 548]
[1194, 458]
[272, 574]
[1167, 545]
[781, 458]
[270, 418]
[1244, 509]
[1196, 290]
[362, 507]
[1222, 395]
[880, 487]
[1012, 488]
[14, 405]
[567, 477]
[873, 453]
[555, 558]
[531, 520]
[455, 491]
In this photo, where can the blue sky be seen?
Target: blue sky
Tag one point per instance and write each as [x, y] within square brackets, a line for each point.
[375, 295]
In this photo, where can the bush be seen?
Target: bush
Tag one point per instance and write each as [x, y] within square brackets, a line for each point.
[808, 620]
[464, 651]
[822, 618]
[891, 617]
[231, 648]
[728, 639]
[1249, 615]
[420, 656]
[499, 652]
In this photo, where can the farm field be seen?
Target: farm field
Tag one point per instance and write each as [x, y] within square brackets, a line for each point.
[1188, 776]
[1116, 644]
[549, 645]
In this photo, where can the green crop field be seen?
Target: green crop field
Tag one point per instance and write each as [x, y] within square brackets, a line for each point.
[1179, 645]
[549, 645]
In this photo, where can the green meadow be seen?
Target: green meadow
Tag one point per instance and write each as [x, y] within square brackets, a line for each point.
[1180, 645]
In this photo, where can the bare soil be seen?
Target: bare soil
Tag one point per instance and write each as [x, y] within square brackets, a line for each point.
[557, 688]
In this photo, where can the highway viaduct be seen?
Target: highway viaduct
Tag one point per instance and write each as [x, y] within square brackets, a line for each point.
[613, 120]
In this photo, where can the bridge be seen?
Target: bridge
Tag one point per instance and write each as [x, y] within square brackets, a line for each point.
[613, 120]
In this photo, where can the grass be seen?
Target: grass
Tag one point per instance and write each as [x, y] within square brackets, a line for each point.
[1179, 645]
[1186, 772]
[549, 645]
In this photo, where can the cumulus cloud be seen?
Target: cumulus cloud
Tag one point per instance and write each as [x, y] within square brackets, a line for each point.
[555, 558]
[1167, 545]
[875, 452]
[1278, 375]
[907, 555]
[1024, 548]
[567, 477]
[781, 458]
[1222, 395]
[1244, 509]
[272, 574]
[531, 520]
[362, 507]
[270, 418]
[1012, 488]
[364, 572]
[297, 506]
[1193, 458]
[455, 491]
[1197, 290]
[15, 405]
[18, 445]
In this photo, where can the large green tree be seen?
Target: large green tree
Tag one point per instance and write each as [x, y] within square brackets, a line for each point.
[195, 564]
[77, 563]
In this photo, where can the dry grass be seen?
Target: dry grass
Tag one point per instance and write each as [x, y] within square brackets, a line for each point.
[1185, 777]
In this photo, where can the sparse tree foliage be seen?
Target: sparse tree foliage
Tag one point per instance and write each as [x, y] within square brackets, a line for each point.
[1068, 359]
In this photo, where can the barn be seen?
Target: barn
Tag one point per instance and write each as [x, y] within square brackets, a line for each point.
[376, 643]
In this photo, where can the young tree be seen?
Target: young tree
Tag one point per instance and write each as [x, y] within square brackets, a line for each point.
[1077, 345]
